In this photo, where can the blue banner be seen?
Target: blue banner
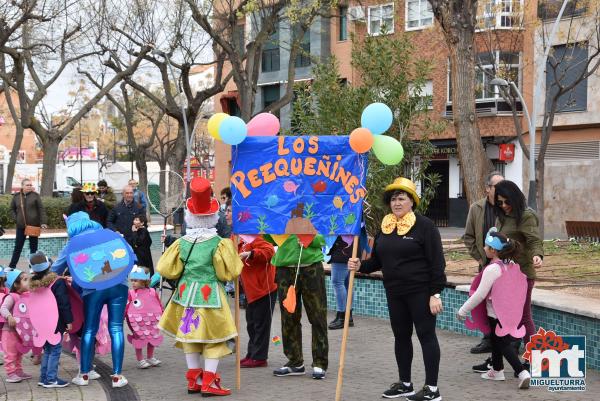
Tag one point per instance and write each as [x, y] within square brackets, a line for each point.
[297, 185]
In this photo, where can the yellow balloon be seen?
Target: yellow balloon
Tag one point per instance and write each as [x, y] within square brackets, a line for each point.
[213, 124]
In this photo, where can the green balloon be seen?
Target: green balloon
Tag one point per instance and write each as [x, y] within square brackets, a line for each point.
[388, 150]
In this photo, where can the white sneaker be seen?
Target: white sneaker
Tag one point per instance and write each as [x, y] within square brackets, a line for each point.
[81, 379]
[524, 379]
[153, 361]
[144, 364]
[119, 381]
[93, 375]
[318, 373]
[493, 375]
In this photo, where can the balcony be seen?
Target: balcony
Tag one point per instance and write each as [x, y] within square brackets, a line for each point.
[488, 108]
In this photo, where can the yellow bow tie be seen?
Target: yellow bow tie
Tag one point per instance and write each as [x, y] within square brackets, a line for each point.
[404, 224]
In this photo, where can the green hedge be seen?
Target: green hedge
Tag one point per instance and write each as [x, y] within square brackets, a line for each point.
[55, 207]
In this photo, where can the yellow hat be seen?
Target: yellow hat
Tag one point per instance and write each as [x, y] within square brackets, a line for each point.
[406, 185]
[89, 187]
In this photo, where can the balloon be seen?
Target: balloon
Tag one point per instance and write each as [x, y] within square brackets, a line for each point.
[233, 130]
[213, 124]
[263, 124]
[377, 118]
[361, 140]
[388, 150]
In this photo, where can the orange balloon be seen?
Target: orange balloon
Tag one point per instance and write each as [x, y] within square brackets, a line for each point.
[361, 140]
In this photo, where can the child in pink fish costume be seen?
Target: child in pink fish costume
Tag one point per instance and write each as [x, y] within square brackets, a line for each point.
[47, 309]
[500, 291]
[18, 284]
[142, 314]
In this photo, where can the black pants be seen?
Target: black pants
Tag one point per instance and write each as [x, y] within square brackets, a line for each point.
[258, 324]
[502, 347]
[19, 242]
[406, 311]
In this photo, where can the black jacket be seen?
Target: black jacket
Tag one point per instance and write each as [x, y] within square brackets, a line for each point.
[60, 291]
[141, 243]
[410, 263]
[121, 218]
[98, 212]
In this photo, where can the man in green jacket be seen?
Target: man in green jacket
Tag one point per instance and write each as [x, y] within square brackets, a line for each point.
[303, 267]
[480, 219]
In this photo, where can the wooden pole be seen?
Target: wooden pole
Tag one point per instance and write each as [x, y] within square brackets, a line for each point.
[238, 374]
[340, 377]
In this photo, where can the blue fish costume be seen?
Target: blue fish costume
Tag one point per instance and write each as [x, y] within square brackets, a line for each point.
[99, 260]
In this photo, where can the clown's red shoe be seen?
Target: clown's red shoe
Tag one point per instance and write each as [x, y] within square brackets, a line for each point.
[211, 385]
[193, 376]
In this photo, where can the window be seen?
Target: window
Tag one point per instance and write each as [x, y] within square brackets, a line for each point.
[381, 19]
[270, 94]
[500, 64]
[233, 108]
[425, 94]
[418, 14]
[495, 64]
[548, 9]
[270, 53]
[566, 64]
[303, 55]
[499, 14]
[343, 26]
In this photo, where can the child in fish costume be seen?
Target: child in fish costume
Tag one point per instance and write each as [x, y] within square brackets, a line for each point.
[99, 261]
[496, 305]
[198, 315]
[144, 309]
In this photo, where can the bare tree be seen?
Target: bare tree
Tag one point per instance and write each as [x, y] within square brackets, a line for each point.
[458, 19]
[226, 22]
[43, 55]
[14, 14]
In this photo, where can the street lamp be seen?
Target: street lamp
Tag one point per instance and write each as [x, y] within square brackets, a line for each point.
[188, 140]
[503, 83]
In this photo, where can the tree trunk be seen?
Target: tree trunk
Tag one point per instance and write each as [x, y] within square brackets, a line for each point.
[10, 170]
[247, 102]
[142, 169]
[50, 144]
[539, 176]
[176, 161]
[457, 20]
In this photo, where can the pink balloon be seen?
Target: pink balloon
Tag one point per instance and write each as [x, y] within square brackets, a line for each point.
[263, 124]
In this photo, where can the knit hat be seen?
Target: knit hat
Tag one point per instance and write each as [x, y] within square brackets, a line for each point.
[38, 262]
[11, 277]
[493, 241]
[139, 273]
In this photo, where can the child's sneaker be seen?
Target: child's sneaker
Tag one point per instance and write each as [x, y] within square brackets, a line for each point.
[318, 373]
[119, 381]
[524, 379]
[289, 371]
[58, 383]
[493, 375]
[81, 379]
[41, 381]
[398, 390]
[23, 375]
[153, 361]
[93, 375]
[144, 364]
[14, 378]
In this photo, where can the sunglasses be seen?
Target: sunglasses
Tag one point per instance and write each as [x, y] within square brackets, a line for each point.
[503, 202]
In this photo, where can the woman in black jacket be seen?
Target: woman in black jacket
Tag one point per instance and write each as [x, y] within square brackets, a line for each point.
[408, 251]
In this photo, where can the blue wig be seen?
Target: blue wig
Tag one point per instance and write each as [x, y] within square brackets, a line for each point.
[80, 222]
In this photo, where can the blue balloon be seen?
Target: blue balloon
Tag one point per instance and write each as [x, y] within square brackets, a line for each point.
[233, 130]
[377, 118]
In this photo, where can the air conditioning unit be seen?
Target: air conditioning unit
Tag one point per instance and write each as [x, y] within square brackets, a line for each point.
[356, 13]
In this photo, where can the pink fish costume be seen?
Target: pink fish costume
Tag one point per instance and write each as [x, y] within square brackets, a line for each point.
[143, 312]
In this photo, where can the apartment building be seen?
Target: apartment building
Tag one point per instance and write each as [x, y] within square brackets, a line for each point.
[507, 45]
